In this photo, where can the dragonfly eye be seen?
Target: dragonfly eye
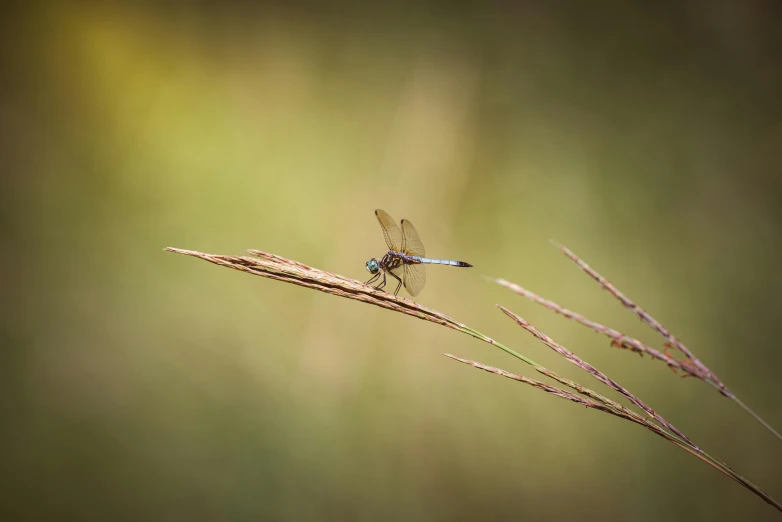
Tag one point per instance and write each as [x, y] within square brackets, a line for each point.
[372, 266]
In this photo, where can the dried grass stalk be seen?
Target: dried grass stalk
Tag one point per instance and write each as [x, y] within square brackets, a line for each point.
[690, 365]
[282, 269]
[594, 372]
[618, 339]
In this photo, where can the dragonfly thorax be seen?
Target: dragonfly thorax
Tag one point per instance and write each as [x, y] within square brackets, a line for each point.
[393, 260]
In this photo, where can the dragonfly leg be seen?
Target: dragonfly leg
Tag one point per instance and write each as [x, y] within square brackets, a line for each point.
[381, 285]
[397, 286]
[374, 278]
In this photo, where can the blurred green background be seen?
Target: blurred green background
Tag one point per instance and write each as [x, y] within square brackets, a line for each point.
[139, 385]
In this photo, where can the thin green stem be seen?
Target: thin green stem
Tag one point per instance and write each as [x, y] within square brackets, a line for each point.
[756, 416]
[485, 338]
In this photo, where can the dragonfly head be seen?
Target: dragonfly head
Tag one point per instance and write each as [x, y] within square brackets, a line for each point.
[373, 266]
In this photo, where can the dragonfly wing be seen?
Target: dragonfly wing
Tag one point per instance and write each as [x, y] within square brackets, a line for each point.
[399, 272]
[415, 274]
[411, 243]
[391, 230]
[415, 278]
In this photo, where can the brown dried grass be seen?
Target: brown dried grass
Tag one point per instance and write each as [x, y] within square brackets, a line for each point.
[282, 269]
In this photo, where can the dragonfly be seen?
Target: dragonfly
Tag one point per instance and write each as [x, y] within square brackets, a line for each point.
[405, 259]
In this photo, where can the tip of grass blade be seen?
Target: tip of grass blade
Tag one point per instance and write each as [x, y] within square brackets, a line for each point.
[508, 312]
[458, 359]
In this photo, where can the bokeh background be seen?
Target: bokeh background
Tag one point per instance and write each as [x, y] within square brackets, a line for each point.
[140, 385]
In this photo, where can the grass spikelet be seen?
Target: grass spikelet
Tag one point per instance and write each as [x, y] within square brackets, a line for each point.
[690, 365]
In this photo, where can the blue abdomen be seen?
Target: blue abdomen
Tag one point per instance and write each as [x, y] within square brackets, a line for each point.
[429, 261]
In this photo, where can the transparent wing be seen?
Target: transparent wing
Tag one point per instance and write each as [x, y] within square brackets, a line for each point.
[390, 230]
[400, 273]
[414, 275]
[411, 243]
[414, 278]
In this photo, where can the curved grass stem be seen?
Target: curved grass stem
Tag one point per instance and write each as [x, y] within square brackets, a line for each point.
[281, 269]
[690, 365]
